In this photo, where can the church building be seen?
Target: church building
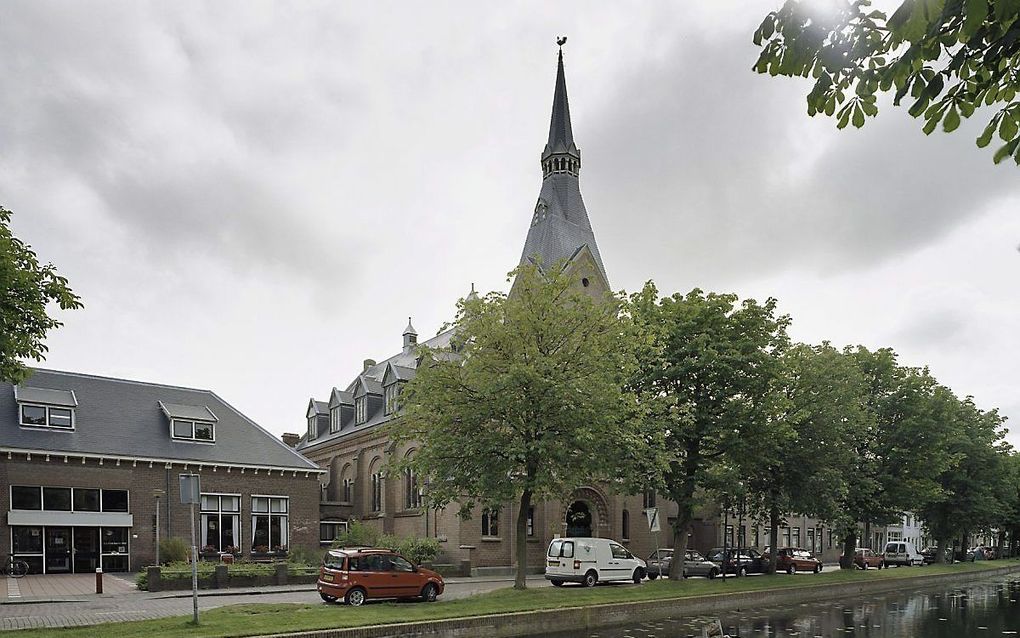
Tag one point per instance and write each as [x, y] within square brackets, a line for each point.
[344, 432]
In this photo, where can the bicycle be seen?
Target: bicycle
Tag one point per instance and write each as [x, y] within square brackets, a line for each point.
[14, 567]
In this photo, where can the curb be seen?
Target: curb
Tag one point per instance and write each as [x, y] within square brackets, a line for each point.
[545, 621]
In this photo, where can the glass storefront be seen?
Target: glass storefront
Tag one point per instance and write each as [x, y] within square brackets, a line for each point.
[66, 550]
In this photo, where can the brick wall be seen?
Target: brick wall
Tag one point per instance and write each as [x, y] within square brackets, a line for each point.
[140, 480]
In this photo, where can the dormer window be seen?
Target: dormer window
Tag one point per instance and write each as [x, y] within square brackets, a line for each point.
[392, 391]
[361, 409]
[193, 430]
[312, 429]
[45, 408]
[334, 420]
[190, 422]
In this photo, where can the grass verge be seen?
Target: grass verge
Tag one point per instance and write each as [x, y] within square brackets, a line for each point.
[265, 618]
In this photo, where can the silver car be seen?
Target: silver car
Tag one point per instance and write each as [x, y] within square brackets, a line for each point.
[694, 564]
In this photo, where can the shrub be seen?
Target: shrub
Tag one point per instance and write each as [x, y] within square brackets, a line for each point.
[173, 550]
[357, 535]
[304, 556]
[419, 550]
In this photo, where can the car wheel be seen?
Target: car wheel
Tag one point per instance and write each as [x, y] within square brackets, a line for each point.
[712, 573]
[881, 565]
[865, 566]
[818, 568]
[652, 576]
[327, 598]
[792, 569]
[429, 592]
[590, 579]
[639, 575]
[355, 597]
[557, 583]
[741, 572]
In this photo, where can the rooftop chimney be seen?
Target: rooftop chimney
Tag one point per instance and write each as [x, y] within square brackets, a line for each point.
[290, 439]
[368, 364]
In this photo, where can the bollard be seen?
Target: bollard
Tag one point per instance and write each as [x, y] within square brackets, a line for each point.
[99, 580]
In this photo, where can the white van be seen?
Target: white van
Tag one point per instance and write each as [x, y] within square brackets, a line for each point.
[590, 560]
[902, 553]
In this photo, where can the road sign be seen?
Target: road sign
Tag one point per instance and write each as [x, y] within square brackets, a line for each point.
[652, 513]
[191, 491]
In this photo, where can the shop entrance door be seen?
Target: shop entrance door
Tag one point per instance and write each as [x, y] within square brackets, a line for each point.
[58, 550]
[86, 549]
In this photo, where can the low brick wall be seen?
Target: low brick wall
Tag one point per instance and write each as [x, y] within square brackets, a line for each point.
[539, 623]
[222, 579]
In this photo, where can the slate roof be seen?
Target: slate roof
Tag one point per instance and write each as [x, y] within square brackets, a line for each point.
[403, 363]
[122, 418]
[560, 225]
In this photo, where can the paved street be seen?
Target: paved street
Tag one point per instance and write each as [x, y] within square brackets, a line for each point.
[76, 610]
[66, 601]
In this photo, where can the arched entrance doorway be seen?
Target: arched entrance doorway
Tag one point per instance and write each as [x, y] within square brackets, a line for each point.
[578, 519]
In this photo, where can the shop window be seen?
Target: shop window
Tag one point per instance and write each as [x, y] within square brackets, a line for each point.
[115, 500]
[86, 500]
[26, 498]
[57, 499]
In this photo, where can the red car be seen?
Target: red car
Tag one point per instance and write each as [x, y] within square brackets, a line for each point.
[794, 559]
[865, 558]
[359, 574]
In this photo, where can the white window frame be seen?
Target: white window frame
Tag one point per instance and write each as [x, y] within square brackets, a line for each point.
[46, 409]
[285, 515]
[220, 513]
[490, 515]
[334, 420]
[337, 525]
[361, 409]
[313, 427]
[391, 392]
[193, 422]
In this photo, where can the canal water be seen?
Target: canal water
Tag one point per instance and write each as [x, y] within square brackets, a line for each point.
[981, 610]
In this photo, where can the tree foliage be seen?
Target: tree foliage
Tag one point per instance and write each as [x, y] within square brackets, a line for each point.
[800, 464]
[26, 288]
[528, 401]
[707, 368]
[947, 58]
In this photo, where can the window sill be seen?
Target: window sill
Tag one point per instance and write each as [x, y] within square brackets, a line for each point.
[408, 513]
[491, 539]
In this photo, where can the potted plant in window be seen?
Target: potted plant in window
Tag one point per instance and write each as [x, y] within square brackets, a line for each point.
[260, 551]
[209, 552]
[280, 550]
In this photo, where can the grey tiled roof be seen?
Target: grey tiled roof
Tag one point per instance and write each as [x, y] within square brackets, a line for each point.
[121, 418]
[339, 397]
[405, 360]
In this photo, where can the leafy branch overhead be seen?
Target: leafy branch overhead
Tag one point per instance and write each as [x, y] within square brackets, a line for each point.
[26, 288]
[946, 58]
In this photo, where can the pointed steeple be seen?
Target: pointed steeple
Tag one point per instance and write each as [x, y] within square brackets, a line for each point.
[410, 337]
[561, 135]
[560, 228]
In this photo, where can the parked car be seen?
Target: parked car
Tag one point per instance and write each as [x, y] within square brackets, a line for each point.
[982, 552]
[929, 555]
[794, 559]
[355, 575]
[902, 553]
[591, 560]
[866, 558]
[739, 561]
[694, 564]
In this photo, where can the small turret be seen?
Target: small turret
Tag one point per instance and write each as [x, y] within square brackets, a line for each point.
[410, 337]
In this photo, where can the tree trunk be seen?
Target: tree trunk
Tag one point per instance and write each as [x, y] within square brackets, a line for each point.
[940, 549]
[846, 561]
[773, 539]
[521, 541]
[963, 546]
[682, 527]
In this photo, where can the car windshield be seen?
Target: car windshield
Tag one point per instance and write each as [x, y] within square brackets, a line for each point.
[695, 556]
[663, 554]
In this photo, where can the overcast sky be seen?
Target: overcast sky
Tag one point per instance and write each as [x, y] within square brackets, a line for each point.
[253, 197]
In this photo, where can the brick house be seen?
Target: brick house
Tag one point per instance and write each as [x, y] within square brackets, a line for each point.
[91, 463]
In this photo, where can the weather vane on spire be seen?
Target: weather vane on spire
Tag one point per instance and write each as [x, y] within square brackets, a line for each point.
[561, 40]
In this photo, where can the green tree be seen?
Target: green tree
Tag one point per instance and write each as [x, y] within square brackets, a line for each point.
[528, 401]
[947, 57]
[26, 287]
[898, 451]
[975, 487]
[707, 368]
[800, 464]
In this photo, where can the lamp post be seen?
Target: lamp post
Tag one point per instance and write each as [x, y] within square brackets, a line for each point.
[156, 494]
[191, 492]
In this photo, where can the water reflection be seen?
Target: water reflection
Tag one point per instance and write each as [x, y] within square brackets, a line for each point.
[982, 610]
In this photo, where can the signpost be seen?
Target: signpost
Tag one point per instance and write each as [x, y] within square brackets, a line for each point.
[652, 514]
[191, 494]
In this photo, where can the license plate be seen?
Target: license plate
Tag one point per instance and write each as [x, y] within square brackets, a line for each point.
[327, 577]
[554, 563]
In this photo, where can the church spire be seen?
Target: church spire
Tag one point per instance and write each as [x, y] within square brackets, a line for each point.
[560, 228]
[560, 153]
